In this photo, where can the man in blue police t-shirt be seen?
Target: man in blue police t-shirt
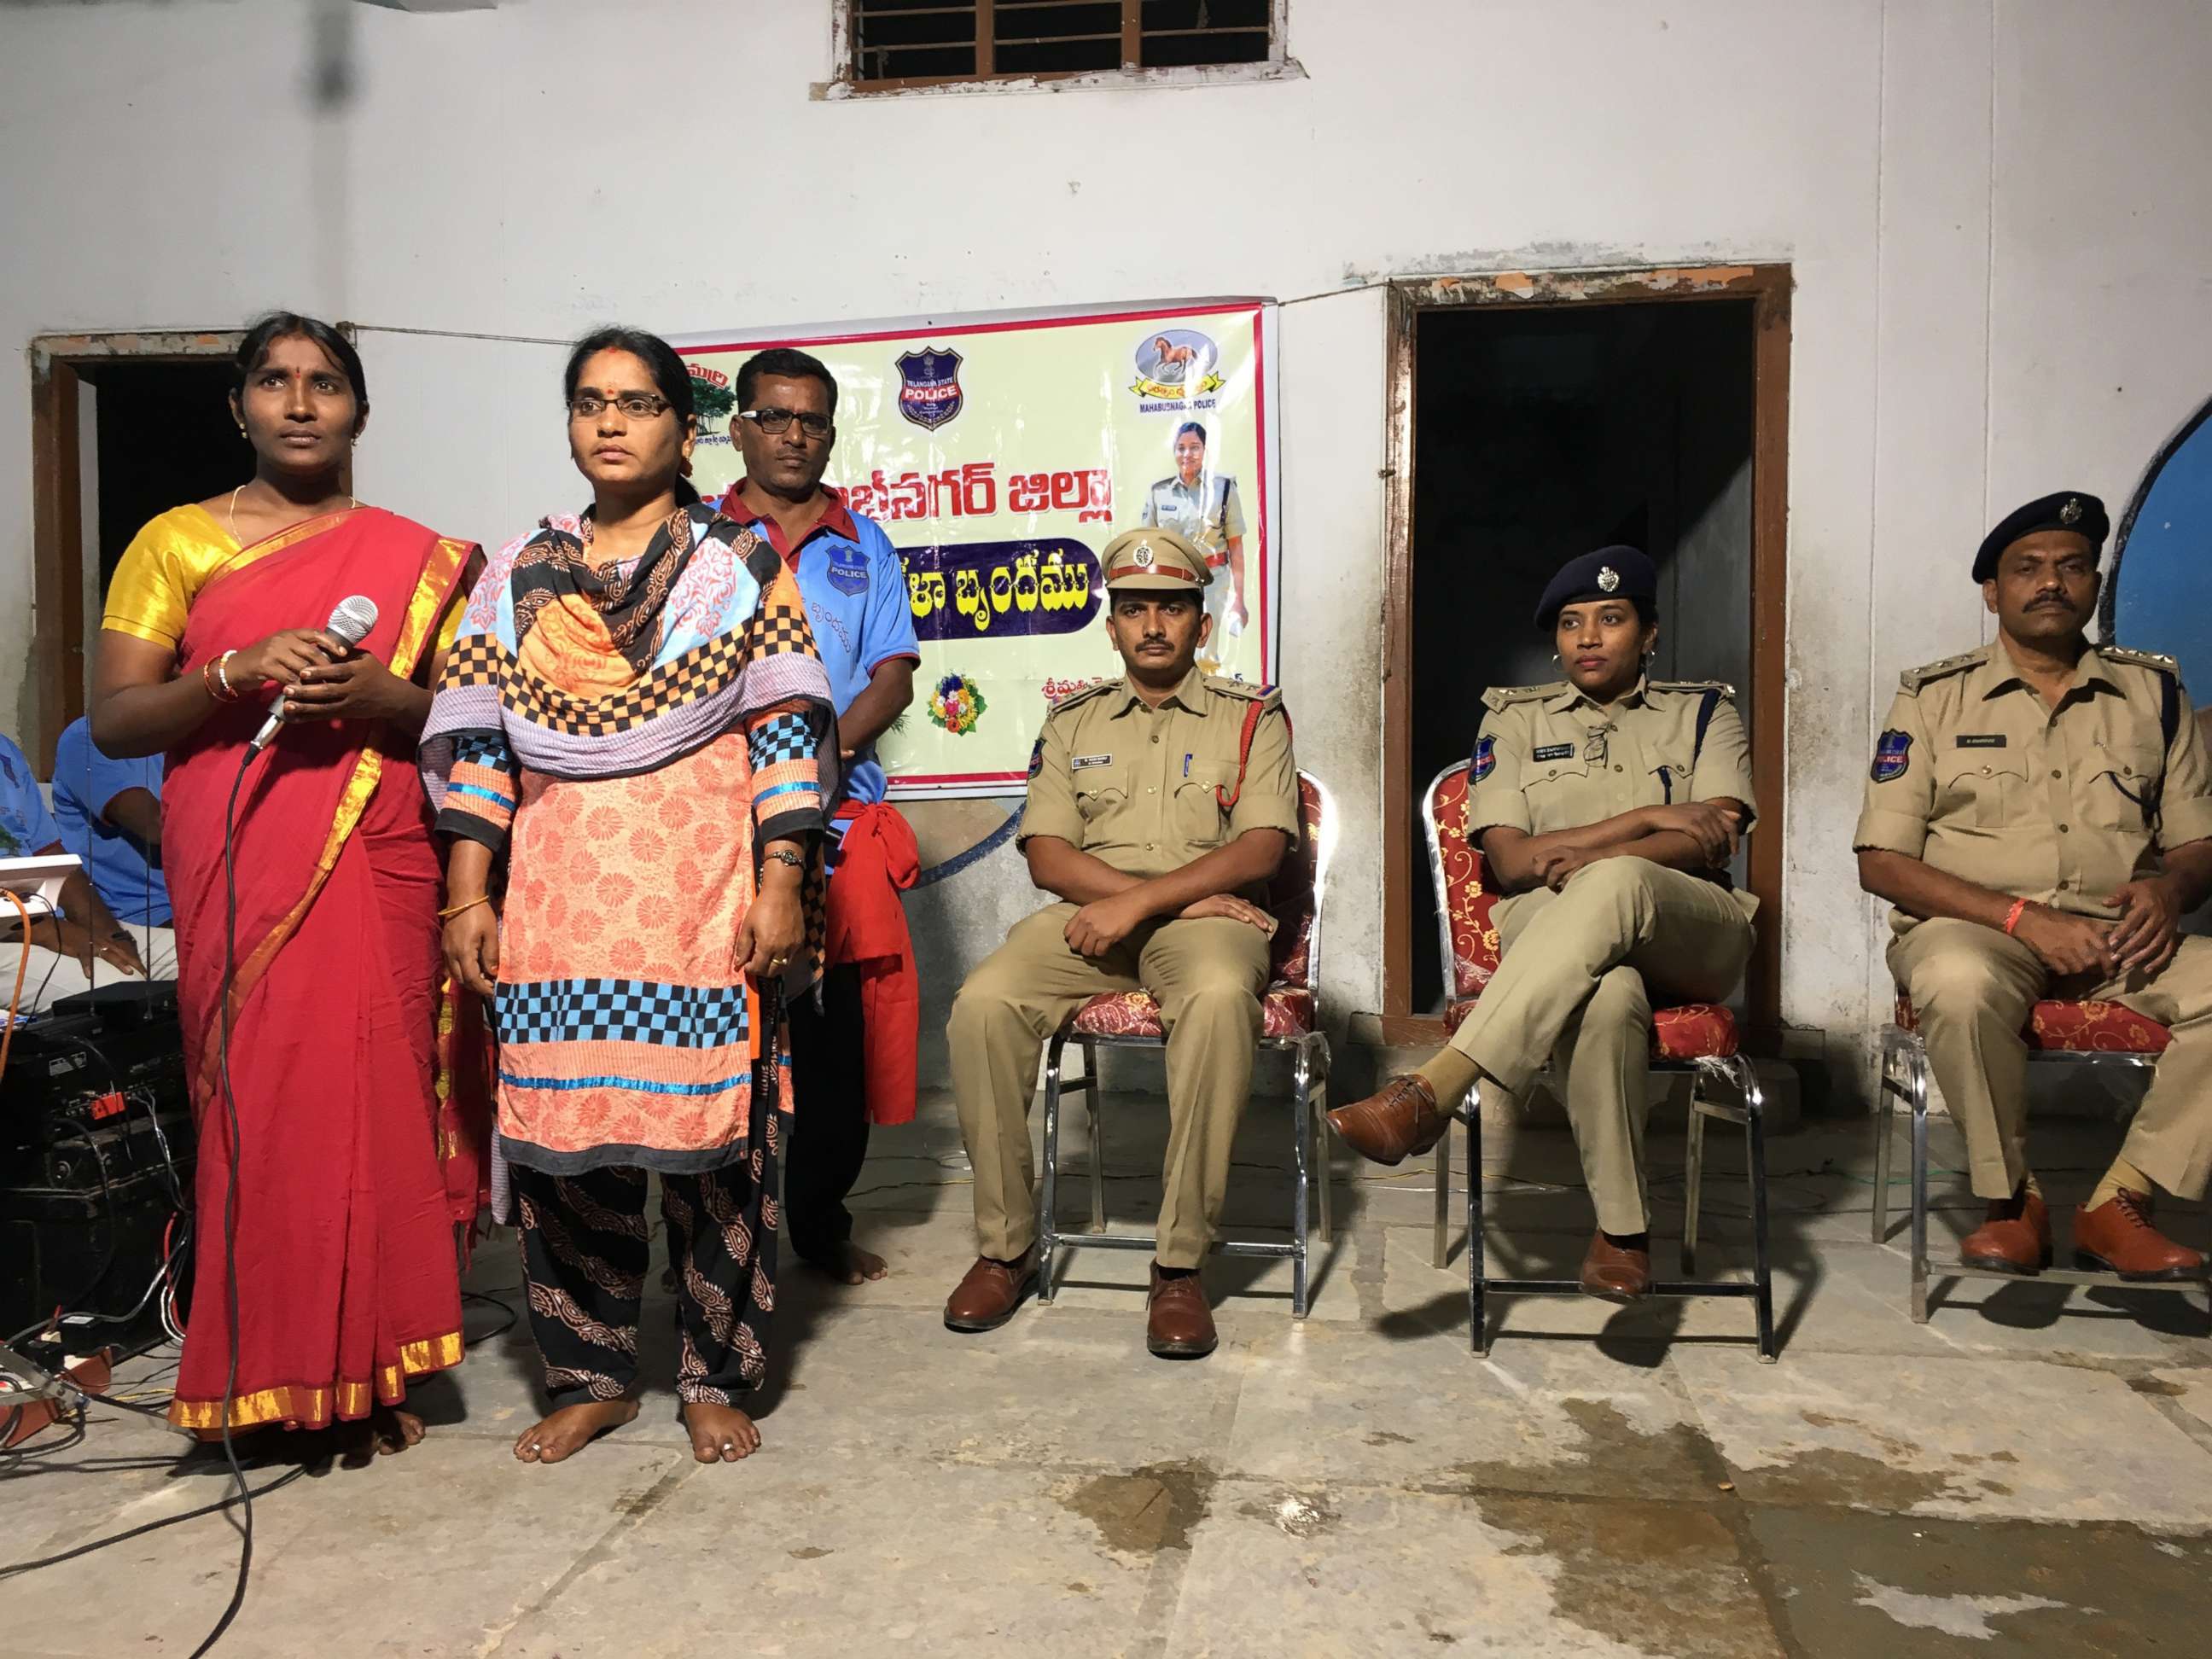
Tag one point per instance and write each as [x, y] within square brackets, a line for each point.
[110, 814]
[63, 955]
[855, 589]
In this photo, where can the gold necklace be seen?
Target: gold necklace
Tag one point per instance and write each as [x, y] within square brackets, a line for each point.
[353, 504]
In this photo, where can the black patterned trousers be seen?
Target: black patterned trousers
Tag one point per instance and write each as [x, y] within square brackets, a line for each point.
[586, 1247]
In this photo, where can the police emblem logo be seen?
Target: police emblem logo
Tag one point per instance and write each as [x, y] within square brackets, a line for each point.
[1608, 579]
[2071, 513]
[1485, 757]
[1037, 758]
[1892, 755]
[929, 387]
[1142, 557]
[849, 569]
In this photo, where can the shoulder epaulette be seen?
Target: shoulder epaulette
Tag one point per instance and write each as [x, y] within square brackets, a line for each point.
[1721, 686]
[1083, 695]
[2141, 658]
[1502, 696]
[1271, 696]
[1913, 679]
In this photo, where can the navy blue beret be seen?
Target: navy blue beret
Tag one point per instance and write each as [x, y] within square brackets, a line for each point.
[1611, 573]
[2070, 509]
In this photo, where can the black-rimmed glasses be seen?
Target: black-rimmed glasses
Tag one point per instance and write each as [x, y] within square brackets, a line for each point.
[589, 405]
[773, 421]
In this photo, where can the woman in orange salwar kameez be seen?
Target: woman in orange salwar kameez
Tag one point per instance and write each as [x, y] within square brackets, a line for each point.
[353, 1165]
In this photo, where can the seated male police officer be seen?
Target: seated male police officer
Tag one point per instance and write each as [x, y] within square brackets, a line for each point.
[1159, 805]
[1607, 805]
[2037, 813]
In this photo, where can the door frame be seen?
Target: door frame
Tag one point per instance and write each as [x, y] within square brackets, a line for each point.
[60, 364]
[1768, 288]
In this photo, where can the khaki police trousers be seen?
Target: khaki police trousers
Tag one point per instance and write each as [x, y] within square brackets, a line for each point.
[1972, 987]
[1574, 987]
[1206, 975]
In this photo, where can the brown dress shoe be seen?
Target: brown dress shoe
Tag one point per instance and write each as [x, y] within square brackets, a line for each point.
[988, 1297]
[2117, 1237]
[1402, 1118]
[1178, 1322]
[1615, 1273]
[2014, 1237]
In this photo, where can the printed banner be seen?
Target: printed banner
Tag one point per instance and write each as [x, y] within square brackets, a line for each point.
[1001, 454]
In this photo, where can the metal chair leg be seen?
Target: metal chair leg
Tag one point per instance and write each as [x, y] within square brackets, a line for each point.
[1754, 1148]
[1049, 1185]
[1438, 1251]
[1693, 1174]
[1918, 1062]
[1885, 1128]
[1320, 1114]
[1477, 1276]
[1302, 1142]
[1098, 1137]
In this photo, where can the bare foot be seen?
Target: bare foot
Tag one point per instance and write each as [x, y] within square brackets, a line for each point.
[719, 1434]
[569, 1430]
[385, 1431]
[849, 1264]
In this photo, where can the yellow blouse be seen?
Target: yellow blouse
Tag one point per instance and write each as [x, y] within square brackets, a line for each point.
[162, 571]
[171, 560]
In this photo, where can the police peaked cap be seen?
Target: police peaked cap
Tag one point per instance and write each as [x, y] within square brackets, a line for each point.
[1158, 560]
[2070, 509]
[1611, 573]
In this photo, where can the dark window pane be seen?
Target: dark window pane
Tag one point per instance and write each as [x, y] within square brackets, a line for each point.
[1205, 32]
[898, 39]
[1059, 57]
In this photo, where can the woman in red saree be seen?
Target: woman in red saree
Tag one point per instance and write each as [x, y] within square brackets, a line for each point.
[353, 1160]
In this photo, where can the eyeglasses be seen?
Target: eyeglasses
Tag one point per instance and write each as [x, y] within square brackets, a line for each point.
[776, 420]
[589, 406]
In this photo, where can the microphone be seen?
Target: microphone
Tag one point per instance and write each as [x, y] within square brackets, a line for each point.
[350, 621]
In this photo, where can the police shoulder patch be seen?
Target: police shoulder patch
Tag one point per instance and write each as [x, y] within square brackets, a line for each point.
[1913, 679]
[1037, 758]
[1892, 755]
[1485, 757]
[1502, 697]
[2151, 659]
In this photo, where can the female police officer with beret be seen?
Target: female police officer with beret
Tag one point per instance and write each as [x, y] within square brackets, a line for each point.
[1607, 806]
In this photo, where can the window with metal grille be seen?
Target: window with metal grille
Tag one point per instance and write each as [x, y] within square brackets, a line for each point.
[907, 43]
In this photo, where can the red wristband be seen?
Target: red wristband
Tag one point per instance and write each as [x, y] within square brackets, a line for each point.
[2012, 917]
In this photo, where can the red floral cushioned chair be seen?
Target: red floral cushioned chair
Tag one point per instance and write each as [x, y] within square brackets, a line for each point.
[1290, 1016]
[2072, 1033]
[1699, 1038]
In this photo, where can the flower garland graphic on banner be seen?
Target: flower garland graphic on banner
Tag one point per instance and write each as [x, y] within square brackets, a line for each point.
[957, 705]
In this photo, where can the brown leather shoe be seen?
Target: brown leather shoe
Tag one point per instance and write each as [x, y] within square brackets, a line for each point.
[1402, 1118]
[2117, 1237]
[1613, 1273]
[2014, 1237]
[986, 1297]
[1178, 1322]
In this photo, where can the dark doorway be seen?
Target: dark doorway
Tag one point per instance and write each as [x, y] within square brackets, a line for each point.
[165, 437]
[1542, 432]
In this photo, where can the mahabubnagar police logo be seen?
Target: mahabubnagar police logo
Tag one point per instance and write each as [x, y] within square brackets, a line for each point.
[929, 387]
[1892, 755]
[1175, 364]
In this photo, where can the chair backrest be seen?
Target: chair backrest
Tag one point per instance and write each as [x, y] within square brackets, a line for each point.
[1294, 894]
[1467, 934]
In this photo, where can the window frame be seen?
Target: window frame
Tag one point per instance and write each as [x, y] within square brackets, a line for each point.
[848, 84]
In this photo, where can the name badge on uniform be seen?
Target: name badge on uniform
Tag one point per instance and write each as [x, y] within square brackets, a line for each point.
[1982, 741]
[1551, 752]
[1082, 761]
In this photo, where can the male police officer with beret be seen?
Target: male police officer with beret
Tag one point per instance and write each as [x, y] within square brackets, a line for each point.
[1159, 805]
[1607, 805]
[2038, 812]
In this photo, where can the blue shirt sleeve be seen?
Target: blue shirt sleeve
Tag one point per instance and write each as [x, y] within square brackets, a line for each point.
[26, 826]
[887, 629]
[91, 779]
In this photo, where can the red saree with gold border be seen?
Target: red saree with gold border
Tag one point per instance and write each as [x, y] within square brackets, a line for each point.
[356, 1154]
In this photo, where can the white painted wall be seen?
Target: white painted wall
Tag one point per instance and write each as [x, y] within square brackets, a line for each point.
[1998, 212]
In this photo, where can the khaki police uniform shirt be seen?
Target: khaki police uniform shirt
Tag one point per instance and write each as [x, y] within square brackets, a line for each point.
[1140, 789]
[1548, 757]
[1976, 775]
[1210, 512]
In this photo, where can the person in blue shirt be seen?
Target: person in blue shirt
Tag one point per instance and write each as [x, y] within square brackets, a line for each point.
[855, 589]
[62, 955]
[110, 814]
